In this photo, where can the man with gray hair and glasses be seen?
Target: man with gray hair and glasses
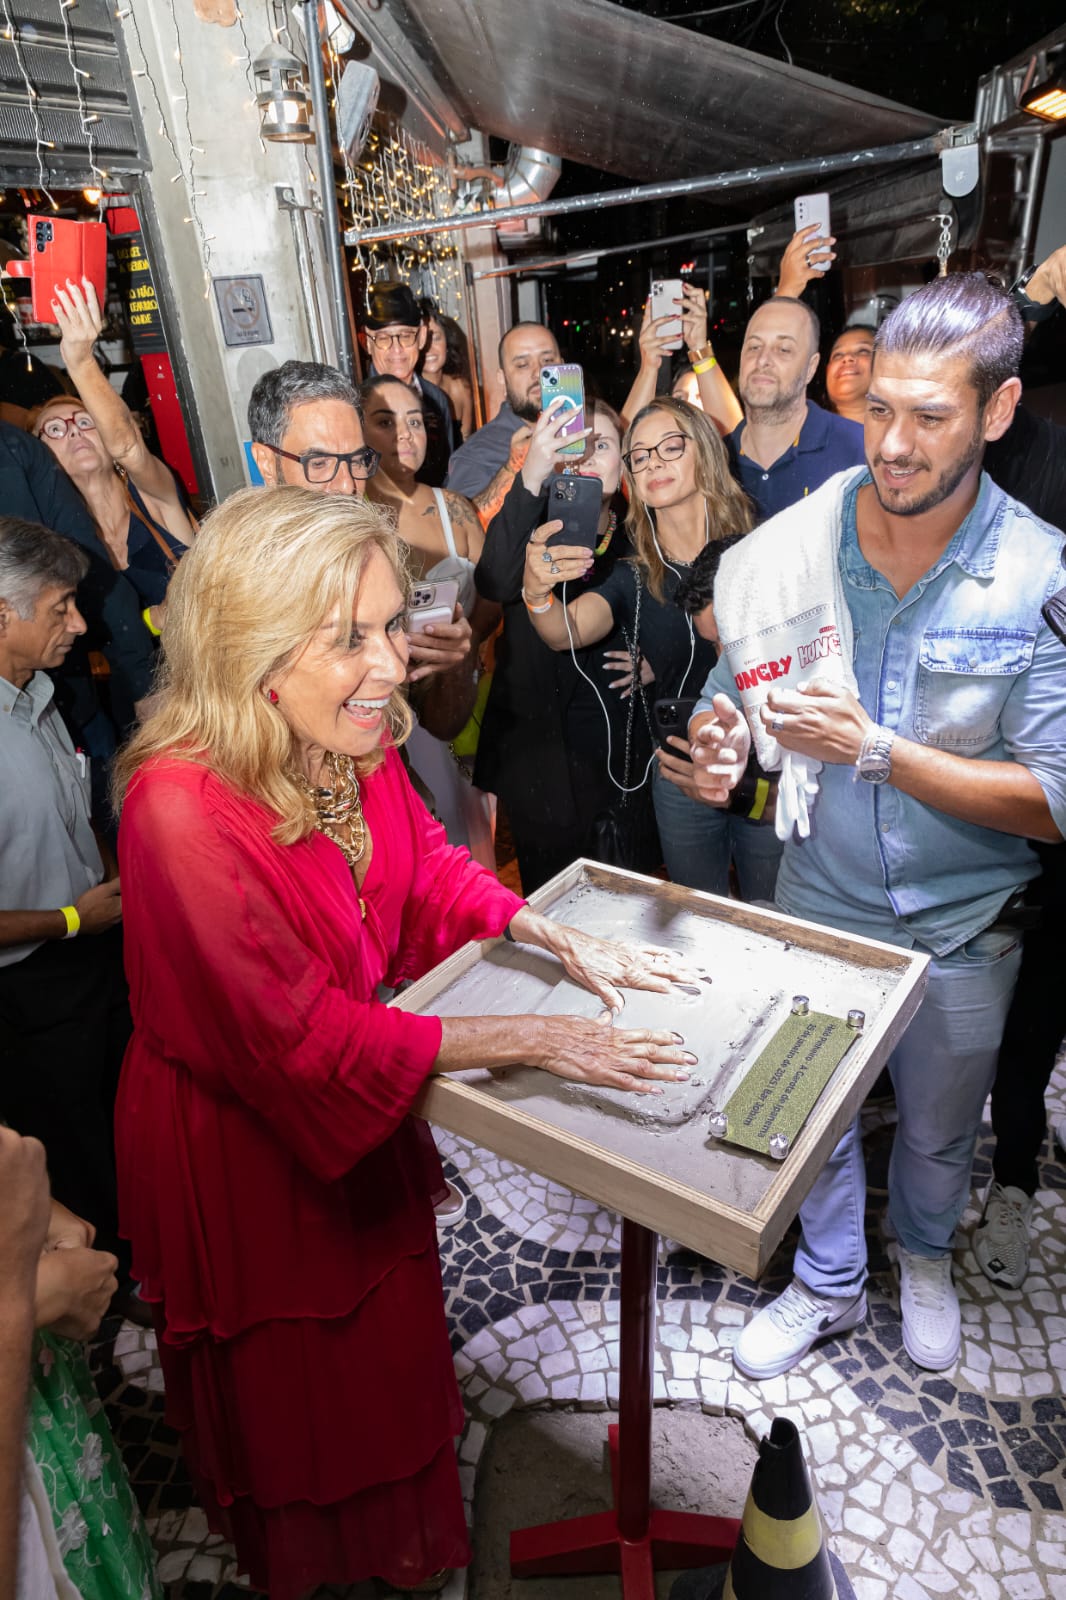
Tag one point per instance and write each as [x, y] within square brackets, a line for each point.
[306, 428]
[64, 1016]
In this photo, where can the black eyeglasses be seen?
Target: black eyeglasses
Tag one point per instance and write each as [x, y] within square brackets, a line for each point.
[668, 449]
[322, 466]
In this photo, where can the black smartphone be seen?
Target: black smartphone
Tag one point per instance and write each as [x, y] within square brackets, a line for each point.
[576, 502]
[673, 717]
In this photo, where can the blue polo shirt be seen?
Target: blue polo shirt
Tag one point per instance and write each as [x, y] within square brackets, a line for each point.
[825, 445]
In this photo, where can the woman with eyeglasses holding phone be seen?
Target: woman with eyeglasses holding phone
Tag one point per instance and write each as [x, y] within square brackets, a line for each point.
[132, 496]
[681, 497]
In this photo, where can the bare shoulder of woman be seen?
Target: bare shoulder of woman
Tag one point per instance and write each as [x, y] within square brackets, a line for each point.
[465, 524]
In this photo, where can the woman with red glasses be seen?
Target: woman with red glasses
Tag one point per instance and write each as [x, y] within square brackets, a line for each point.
[132, 496]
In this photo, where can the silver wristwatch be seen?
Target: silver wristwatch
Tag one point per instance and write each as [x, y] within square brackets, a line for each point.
[875, 758]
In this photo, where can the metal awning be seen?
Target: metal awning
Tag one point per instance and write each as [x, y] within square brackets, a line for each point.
[631, 95]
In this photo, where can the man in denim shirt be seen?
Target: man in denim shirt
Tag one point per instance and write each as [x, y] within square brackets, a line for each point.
[959, 732]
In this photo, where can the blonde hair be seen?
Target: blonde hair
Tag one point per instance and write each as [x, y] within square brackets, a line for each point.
[728, 507]
[269, 567]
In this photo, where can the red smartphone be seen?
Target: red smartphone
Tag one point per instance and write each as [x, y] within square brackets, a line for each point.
[61, 248]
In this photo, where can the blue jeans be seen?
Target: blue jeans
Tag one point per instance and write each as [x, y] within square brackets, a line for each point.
[942, 1071]
[699, 840]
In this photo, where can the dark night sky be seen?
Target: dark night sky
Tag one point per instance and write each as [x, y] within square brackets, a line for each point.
[925, 53]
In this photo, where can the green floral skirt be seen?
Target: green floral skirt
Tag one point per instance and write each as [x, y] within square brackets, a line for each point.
[98, 1526]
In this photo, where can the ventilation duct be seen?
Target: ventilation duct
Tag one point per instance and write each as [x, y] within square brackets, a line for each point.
[528, 175]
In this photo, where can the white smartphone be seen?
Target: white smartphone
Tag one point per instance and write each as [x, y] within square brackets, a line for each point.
[431, 603]
[811, 208]
[666, 299]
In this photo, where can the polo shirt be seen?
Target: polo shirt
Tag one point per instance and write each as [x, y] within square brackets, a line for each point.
[48, 852]
[825, 445]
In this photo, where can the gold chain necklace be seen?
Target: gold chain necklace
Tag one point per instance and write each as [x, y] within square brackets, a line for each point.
[338, 806]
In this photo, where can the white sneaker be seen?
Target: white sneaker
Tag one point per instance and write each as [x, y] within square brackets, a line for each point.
[932, 1327]
[452, 1208]
[782, 1332]
[1001, 1238]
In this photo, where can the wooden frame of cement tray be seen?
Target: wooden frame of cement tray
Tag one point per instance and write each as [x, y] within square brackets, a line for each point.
[738, 1237]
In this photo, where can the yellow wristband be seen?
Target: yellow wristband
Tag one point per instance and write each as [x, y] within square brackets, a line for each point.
[72, 920]
[704, 366]
[146, 617]
[762, 794]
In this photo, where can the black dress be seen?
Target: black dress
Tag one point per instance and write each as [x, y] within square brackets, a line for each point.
[544, 736]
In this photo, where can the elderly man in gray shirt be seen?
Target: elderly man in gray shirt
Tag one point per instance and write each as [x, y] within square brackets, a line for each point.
[64, 1014]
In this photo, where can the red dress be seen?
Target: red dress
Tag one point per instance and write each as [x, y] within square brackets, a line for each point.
[270, 1177]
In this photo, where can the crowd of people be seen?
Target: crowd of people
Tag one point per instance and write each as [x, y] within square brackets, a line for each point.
[218, 862]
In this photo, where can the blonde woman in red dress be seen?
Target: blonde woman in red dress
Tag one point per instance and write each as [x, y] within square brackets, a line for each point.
[276, 869]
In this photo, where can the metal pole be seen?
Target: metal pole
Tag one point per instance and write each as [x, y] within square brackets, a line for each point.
[590, 257]
[719, 182]
[474, 343]
[330, 213]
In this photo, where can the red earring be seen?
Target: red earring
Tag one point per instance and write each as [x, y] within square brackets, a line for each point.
[272, 696]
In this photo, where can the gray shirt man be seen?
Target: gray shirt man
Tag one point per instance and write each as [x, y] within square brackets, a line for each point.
[48, 851]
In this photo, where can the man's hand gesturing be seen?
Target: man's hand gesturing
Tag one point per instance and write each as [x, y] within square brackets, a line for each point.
[720, 742]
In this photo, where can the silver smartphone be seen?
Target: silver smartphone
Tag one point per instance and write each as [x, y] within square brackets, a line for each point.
[666, 300]
[812, 208]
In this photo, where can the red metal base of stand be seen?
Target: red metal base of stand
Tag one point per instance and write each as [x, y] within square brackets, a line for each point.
[633, 1539]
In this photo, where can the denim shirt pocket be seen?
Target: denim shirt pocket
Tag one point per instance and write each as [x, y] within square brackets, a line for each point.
[964, 678]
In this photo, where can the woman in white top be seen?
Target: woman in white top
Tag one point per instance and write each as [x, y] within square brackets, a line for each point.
[445, 538]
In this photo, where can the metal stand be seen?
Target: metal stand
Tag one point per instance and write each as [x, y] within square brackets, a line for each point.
[633, 1539]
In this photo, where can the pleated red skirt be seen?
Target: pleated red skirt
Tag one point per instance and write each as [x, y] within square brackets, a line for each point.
[302, 1437]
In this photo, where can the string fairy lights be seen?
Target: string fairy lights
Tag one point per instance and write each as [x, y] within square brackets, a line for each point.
[184, 171]
[86, 117]
[397, 179]
[42, 144]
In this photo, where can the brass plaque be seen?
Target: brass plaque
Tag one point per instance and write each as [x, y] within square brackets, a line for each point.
[783, 1084]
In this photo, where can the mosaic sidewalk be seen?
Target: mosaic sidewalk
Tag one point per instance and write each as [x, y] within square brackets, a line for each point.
[931, 1484]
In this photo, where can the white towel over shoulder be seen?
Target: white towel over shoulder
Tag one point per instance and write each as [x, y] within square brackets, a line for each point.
[783, 619]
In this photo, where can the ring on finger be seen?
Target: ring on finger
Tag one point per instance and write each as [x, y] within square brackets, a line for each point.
[553, 569]
[547, 556]
[777, 722]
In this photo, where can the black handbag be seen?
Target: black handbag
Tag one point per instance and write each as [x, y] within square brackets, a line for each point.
[624, 833]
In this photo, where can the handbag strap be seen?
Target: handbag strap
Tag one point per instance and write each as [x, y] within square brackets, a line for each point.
[172, 558]
[636, 687]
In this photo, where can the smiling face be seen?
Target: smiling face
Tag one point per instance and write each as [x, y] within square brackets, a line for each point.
[663, 484]
[777, 360]
[436, 350]
[525, 351]
[79, 449]
[335, 694]
[925, 432]
[395, 426]
[395, 348]
[847, 372]
[40, 642]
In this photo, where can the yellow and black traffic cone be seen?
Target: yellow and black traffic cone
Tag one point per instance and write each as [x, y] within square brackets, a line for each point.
[781, 1553]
